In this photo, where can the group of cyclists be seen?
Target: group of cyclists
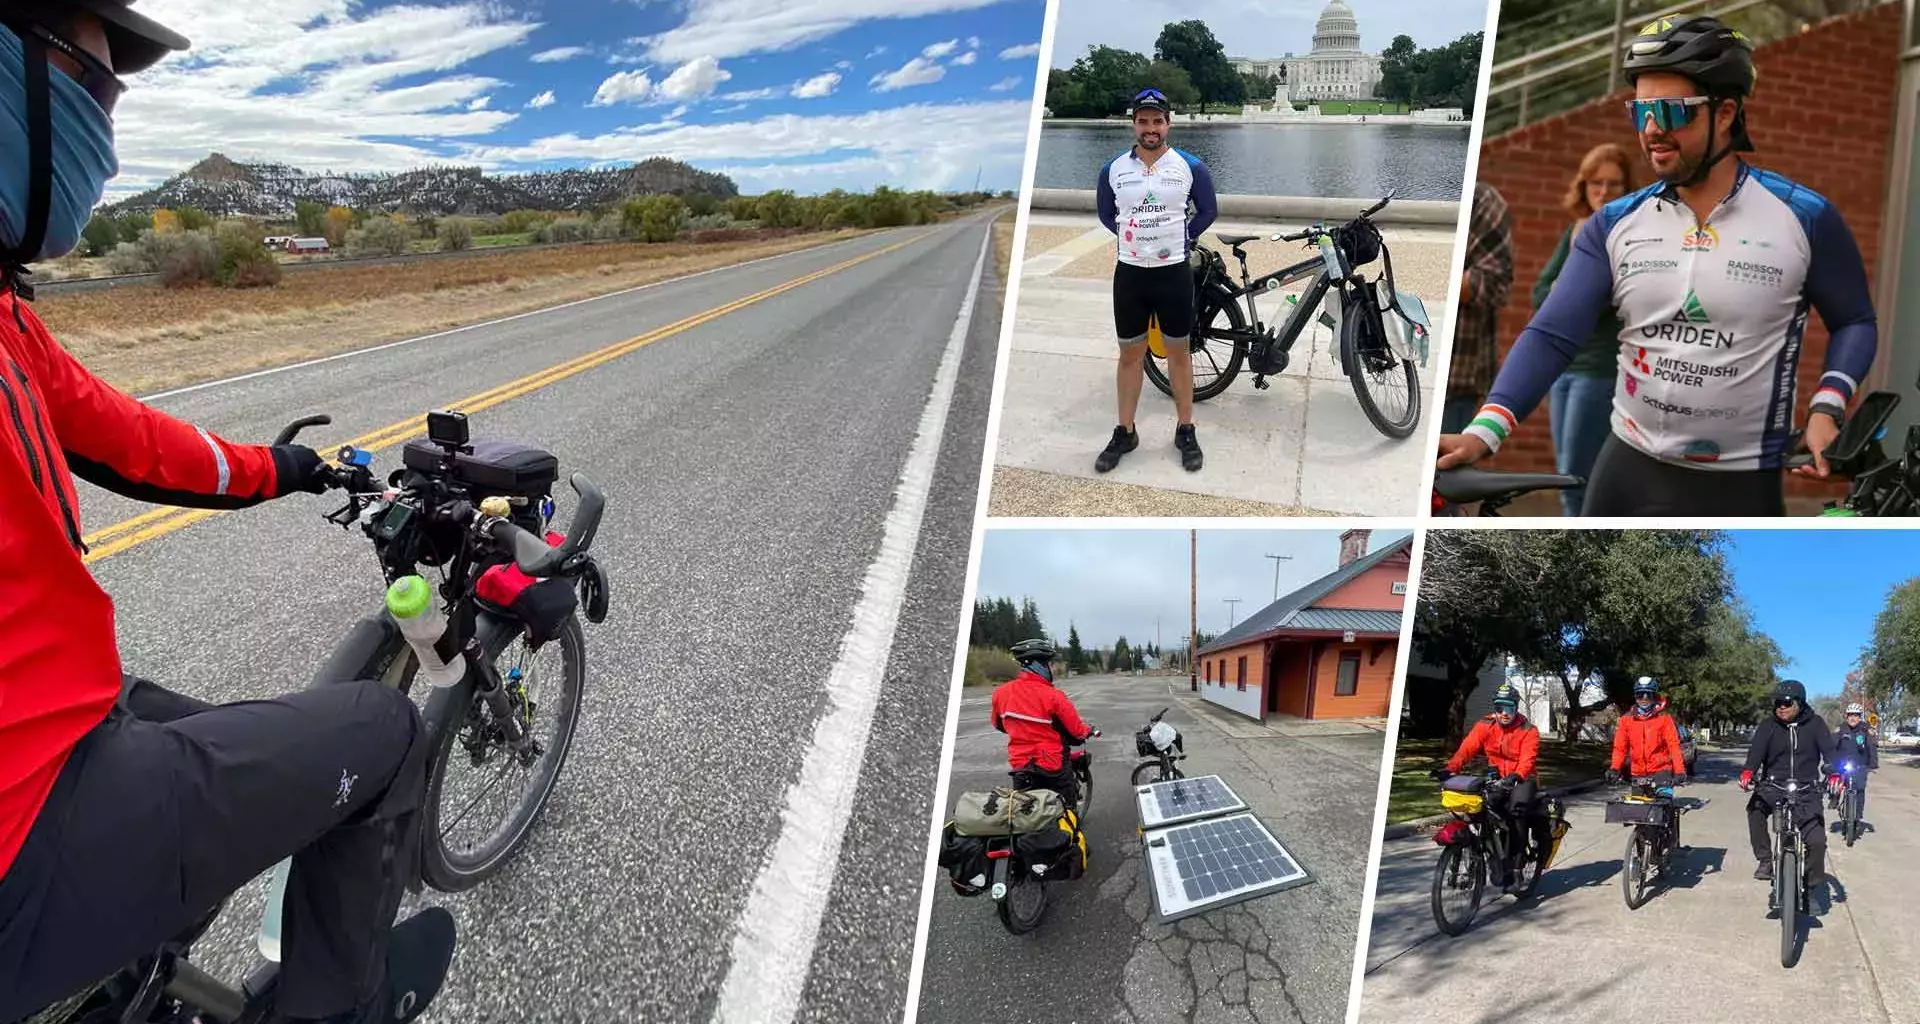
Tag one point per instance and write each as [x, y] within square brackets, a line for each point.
[1793, 743]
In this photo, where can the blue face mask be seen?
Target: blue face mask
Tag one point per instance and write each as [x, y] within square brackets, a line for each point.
[83, 157]
[1041, 669]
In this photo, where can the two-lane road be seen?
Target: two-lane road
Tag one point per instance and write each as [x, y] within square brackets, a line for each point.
[1702, 949]
[790, 451]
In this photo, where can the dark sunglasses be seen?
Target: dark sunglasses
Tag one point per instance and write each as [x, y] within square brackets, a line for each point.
[1785, 702]
[1666, 114]
[95, 77]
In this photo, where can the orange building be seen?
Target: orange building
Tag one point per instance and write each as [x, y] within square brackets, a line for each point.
[1326, 650]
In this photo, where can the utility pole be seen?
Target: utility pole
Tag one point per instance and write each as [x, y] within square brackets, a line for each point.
[1231, 602]
[1277, 559]
[1193, 610]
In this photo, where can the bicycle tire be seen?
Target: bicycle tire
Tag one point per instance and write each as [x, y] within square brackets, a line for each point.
[1140, 770]
[1206, 305]
[1850, 816]
[1352, 323]
[449, 871]
[1788, 885]
[1633, 870]
[1015, 923]
[1445, 868]
[1083, 779]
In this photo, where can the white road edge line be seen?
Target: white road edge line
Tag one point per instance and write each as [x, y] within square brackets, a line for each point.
[202, 386]
[777, 931]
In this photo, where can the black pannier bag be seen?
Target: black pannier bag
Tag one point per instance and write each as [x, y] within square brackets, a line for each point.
[965, 858]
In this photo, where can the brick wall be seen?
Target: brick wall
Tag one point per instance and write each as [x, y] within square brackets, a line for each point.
[1822, 114]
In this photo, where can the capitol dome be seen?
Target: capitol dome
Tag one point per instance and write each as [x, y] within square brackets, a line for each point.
[1337, 29]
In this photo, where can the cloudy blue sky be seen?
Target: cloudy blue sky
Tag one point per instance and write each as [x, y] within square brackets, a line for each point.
[807, 95]
[1258, 28]
[1111, 582]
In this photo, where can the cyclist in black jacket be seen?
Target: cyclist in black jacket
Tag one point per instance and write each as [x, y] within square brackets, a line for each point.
[1794, 743]
[1858, 746]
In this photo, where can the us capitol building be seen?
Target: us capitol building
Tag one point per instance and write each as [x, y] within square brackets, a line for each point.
[1337, 69]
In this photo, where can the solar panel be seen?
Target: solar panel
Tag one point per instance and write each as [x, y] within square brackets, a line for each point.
[1202, 865]
[1164, 803]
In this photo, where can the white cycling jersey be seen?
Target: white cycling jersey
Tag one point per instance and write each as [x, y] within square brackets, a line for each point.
[1146, 207]
[1713, 315]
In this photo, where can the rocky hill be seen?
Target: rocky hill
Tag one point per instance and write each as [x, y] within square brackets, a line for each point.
[228, 188]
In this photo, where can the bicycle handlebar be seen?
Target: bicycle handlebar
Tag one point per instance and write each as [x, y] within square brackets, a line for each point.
[1381, 205]
[291, 430]
[533, 555]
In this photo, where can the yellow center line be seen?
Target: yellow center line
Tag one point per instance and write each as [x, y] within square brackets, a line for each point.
[159, 522]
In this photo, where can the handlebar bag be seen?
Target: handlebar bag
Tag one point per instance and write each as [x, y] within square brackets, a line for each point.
[503, 469]
[1006, 812]
[1359, 242]
[541, 605]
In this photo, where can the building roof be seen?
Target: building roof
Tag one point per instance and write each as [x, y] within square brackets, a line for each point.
[1340, 620]
[1286, 613]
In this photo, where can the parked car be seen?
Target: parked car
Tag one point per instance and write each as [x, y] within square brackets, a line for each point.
[1689, 751]
[1903, 738]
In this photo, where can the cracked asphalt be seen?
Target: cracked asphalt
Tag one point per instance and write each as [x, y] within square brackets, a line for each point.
[749, 463]
[1098, 955]
[1704, 944]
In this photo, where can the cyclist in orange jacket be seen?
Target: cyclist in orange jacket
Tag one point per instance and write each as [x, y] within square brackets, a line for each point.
[1511, 746]
[1646, 744]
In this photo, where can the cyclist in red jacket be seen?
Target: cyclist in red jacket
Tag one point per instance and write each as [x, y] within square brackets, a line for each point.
[1039, 720]
[1646, 744]
[128, 813]
[1511, 746]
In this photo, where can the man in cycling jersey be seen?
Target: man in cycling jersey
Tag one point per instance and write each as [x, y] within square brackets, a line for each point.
[1712, 269]
[1143, 198]
[1511, 745]
[1040, 722]
[126, 812]
[1858, 747]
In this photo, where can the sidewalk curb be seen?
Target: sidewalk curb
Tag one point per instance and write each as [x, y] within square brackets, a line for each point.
[1403, 829]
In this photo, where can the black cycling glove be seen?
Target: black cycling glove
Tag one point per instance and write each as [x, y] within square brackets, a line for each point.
[297, 467]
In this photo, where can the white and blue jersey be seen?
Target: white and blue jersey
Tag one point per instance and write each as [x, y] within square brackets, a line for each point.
[1146, 208]
[1713, 317]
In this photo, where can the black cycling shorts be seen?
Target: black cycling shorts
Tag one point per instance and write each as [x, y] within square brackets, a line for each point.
[1163, 292]
[1628, 482]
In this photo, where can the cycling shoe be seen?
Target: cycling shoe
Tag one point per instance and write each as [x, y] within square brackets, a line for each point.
[418, 955]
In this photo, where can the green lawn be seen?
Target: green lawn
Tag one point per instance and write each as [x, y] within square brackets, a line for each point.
[1414, 795]
[502, 241]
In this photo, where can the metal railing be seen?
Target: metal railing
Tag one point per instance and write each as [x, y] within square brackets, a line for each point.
[1549, 77]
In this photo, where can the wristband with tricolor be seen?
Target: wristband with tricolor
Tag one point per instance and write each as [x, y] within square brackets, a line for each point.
[1492, 425]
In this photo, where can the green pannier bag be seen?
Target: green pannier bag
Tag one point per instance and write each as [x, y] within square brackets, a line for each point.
[1007, 812]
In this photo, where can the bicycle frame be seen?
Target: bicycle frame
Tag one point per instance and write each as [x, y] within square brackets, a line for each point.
[1327, 271]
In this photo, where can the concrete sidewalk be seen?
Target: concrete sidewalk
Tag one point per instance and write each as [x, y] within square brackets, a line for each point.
[1302, 446]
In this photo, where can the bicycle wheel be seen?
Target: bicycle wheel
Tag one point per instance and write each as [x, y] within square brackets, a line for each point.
[1150, 771]
[1024, 904]
[1459, 881]
[1216, 359]
[1850, 816]
[1084, 775]
[1633, 869]
[1787, 889]
[1378, 375]
[545, 688]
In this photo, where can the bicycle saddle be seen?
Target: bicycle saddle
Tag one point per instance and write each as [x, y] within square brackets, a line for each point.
[1466, 483]
[1236, 239]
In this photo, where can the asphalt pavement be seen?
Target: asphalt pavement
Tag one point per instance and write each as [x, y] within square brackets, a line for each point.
[759, 457]
[1099, 954]
[1702, 948]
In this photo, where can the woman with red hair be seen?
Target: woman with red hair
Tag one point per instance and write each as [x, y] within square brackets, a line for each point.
[1582, 398]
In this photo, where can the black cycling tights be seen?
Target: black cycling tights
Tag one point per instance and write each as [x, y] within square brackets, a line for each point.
[1628, 482]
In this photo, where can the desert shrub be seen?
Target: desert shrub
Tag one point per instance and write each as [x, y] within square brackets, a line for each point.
[654, 218]
[995, 664]
[244, 260]
[567, 229]
[185, 259]
[709, 222]
[455, 234]
[382, 236]
[608, 228]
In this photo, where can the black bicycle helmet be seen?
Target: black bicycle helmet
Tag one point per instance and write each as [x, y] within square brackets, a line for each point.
[1036, 649]
[1716, 58]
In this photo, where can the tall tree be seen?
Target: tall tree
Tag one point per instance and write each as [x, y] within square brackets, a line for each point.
[1479, 598]
[1891, 661]
[1191, 45]
[1109, 78]
[1400, 67]
[1076, 656]
[1122, 658]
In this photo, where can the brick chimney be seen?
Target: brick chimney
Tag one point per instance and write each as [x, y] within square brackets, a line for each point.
[1353, 544]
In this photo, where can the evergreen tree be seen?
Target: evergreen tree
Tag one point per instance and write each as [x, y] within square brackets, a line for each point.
[1076, 657]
